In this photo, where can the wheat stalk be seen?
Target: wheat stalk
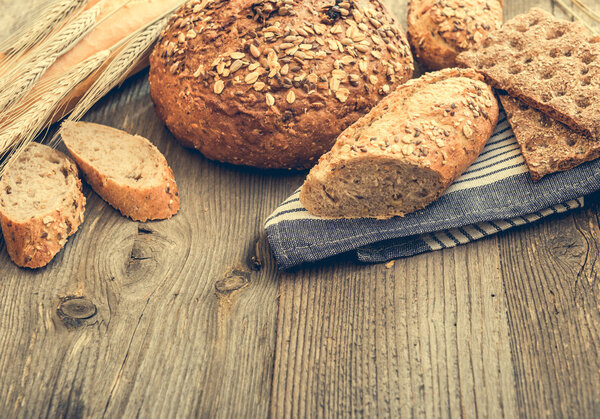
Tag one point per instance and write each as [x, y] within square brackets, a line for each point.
[569, 10]
[51, 18]
[21, 80]
[585, 9]
[23, 123]
[118, 68]
[21, 132]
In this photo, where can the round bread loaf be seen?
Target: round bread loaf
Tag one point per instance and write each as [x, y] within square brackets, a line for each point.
[438, 30]
[271, 84]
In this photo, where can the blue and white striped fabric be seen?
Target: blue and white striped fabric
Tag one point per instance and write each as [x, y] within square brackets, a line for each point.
[496, 193]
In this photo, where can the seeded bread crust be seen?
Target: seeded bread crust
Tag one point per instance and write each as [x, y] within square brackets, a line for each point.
[33, 242]
[271, 84]
[416, 141]
[157, 202]
[550, 64]
[547, 145]
[438, 30]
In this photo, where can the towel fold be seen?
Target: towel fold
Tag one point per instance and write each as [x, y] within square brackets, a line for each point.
[496, 193]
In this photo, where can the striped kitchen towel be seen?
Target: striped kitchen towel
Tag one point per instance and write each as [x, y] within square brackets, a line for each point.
[496, 193]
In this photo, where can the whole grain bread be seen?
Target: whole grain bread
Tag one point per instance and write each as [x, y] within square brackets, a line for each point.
[550, 64]
[438, 30]
[548, 146]
[127, 171]
[403, 154]
[41, 204]
[272, 83]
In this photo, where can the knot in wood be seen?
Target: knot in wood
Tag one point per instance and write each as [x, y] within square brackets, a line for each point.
[78, 308]
[232, 281]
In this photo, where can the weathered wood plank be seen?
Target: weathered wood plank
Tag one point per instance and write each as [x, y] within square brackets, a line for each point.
[552, 283]
[168, 338]
[184, 327]
[428, 337]
[549, 273]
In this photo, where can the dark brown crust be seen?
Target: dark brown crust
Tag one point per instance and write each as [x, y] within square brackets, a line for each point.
[442, 133]
[547, 145]
[438, 30]
[550, 64]
[35, 242]
[233, 122]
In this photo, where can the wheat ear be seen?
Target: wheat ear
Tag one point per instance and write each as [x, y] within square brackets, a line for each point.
[42, 104]
[21, 80]
[32, 34]
[115, 73]
[23, 130]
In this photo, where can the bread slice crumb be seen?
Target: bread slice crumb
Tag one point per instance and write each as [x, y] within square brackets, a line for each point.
[126, 170]
[41, 204]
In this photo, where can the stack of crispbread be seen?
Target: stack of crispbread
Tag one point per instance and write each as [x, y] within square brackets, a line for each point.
[550, 71]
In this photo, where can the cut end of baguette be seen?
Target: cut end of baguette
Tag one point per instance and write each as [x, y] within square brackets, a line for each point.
[126, 170]
[406, 151]
[370, 188]
[41, 204]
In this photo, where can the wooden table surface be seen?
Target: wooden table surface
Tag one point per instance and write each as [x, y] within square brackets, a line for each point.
[176, 322]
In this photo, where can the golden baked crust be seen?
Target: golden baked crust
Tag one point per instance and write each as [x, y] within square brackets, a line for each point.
[272, 83]
[438, 30]
[417, 141]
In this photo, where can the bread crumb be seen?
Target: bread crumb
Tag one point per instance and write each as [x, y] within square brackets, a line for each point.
[390, 264]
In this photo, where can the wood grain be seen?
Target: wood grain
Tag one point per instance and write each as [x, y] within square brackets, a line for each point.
[183, 325]
[553, 296]
[428, 337]
[173, 318]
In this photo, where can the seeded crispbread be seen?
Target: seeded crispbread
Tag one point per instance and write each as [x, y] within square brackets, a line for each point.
[548, 146]
[548, 63]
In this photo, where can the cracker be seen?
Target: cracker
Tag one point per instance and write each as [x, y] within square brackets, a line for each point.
[547, 145]
[548, 63]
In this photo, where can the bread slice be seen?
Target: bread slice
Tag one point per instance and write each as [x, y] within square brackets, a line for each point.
[403, 154]
[126, 170]
[550, 64]
[41, 204]
[547, 145]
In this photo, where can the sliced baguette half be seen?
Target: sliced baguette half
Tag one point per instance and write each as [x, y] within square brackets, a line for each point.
[406, 151]
[41, 204]
[126, 170]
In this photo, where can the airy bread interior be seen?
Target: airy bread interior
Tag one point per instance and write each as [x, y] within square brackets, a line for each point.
[374, 187]
[127, 159]
[40, 181]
